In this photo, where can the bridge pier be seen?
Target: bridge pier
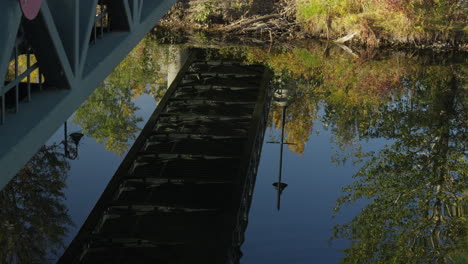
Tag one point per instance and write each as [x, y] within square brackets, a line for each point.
[178, 58]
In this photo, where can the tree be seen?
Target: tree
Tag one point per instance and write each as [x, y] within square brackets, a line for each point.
[109, 113]
[416, 187]
[33, 218]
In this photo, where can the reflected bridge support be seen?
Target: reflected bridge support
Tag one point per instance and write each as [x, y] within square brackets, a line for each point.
[183, 192]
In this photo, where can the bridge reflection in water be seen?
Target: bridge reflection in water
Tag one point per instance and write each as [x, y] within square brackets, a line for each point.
[183, 192]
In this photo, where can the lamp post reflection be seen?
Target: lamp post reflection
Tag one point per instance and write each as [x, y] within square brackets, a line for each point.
[75, 138]
[281, 99]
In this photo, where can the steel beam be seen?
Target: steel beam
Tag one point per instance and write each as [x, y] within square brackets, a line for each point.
[72, 66]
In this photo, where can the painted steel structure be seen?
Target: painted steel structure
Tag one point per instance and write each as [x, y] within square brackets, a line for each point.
[54, 62]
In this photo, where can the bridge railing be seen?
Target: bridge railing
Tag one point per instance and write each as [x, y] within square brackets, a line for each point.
[249, 172]
[101, 21]
[23, 75]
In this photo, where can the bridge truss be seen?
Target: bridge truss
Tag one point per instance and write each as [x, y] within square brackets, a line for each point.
[53, 63]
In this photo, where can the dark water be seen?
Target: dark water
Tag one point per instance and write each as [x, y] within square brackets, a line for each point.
[375, 167]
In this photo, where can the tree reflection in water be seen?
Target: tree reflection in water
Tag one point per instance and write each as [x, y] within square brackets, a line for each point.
[109, 114]
[33, 218]
[417, 185]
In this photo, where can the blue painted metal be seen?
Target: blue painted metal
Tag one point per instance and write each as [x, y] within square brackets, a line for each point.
[73, 65]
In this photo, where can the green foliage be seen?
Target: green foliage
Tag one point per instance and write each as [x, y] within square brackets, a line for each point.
[22, 67]
[204, 11]
[390, 20]
[109, 113]
[305, 59]
[109, 116]
[310, 9]
[33, 219]
[353, 89]
[416, 186]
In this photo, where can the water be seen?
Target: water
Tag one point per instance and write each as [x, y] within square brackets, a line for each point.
[376, 166]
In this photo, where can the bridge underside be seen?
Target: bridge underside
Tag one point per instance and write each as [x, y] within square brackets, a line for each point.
[54, 62]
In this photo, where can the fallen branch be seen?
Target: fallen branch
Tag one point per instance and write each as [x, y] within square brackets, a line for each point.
[348, 50]
[345, 38]
[246, 22]
[256, 27]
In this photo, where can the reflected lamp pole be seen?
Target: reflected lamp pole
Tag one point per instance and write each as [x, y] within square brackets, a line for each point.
[75, 138]
[281, 99]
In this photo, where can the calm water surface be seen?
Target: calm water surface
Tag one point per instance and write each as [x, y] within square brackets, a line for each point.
[375, 164]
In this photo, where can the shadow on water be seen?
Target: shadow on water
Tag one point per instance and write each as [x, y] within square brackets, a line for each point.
[413, 187]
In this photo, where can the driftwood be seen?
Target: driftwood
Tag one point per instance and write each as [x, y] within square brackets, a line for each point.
[246, 22]
[348, 50]
[256, 27]
[346, 38]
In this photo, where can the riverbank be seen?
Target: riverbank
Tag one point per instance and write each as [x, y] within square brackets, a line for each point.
[376, 23]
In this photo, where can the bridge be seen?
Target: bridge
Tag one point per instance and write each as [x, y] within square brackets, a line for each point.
[183, 192]
[51, 63]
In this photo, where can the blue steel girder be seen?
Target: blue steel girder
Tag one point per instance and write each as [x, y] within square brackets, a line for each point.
[77, 43]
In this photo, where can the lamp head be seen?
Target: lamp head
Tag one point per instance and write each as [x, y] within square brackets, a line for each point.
[76, 137]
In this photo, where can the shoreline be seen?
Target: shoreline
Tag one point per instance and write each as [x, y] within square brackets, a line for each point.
[278, 22]
[190, 33]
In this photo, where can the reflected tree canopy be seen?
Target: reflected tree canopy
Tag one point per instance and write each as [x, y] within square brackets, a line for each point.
[33, 218]
[300, 114]
[109, 114]
[416, 185]
[347, 88]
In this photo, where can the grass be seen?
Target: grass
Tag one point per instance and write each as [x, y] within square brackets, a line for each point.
[396, 21]
[377, 22]
[209, 11]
